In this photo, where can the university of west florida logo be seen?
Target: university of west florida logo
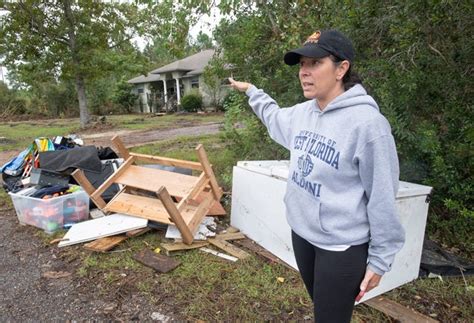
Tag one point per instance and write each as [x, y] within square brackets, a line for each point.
[305, 165]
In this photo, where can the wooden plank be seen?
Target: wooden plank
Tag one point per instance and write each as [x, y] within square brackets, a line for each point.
[178, 246]
[198, 187]
[123, 151]
[82, 180]
[109, 181]
[229, 248]
[105, 244]
[195, 219]
[151, 179]
[230, 236]
[168, 161]
[175, 215]
[216, 190]
[136, 233]
[139, 206]
[252, 246]
[216, 208]
[398, 311]
[160, 263]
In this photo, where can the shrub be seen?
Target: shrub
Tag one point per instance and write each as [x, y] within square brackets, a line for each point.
[192, 102]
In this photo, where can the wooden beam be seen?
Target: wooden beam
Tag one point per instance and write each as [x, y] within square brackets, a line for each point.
[178, 246]
[82, 180]
[229, 248]
[123, 151]
[230, 236]
[398, 311]
[168, 161]
[199, 213]
[165, 198]
[109, 181]
[198, 187]
[202, 156]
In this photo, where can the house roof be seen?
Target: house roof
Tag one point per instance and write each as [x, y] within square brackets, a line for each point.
[145, 78]
[196, 62]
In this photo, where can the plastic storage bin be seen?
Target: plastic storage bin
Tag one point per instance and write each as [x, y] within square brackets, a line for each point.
[52, 214]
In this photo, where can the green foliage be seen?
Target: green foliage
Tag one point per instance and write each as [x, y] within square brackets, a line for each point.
[416, 60]
[11, 103]
[124, 97]
[192, 102]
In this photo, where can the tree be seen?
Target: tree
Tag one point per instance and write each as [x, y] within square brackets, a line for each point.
[416, 59]
[68, 40]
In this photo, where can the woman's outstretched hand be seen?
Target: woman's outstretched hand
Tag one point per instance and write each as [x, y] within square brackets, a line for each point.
[239, 86]
[370, 281]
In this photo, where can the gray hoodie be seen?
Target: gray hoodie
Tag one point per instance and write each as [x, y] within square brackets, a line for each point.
[343, 175]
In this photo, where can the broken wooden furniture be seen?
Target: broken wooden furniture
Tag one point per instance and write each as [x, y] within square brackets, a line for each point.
[159, 195]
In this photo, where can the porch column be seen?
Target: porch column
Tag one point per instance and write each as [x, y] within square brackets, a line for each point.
[177, 91]
[166, 92]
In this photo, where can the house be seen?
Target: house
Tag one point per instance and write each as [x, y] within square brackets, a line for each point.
[163, 88]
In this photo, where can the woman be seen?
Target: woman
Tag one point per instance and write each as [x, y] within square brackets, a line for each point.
[343, 178]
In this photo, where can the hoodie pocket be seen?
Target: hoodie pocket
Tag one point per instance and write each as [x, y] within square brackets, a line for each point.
[303, 211]
[320, 220]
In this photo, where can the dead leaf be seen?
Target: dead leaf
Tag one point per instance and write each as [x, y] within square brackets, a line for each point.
[280, 279]
[55, 274]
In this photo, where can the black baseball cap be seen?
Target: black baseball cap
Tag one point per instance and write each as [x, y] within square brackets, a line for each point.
[321, 44]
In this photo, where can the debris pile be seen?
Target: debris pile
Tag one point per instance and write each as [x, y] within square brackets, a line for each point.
[54, 184]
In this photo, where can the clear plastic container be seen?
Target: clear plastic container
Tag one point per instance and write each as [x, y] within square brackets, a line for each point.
[51, 214]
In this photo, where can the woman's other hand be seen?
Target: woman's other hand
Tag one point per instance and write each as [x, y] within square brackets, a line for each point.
[239, 86]
[370, 281]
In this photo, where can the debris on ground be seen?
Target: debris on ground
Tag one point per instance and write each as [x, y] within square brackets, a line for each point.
[160, 263]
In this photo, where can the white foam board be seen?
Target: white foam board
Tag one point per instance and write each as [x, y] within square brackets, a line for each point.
[101, 227]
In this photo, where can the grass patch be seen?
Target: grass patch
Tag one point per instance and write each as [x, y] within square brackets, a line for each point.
[5, 200]
[248, 290]
[20, 134]
[144, 122]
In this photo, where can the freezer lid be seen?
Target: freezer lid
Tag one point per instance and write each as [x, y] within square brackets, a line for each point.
[279, 169]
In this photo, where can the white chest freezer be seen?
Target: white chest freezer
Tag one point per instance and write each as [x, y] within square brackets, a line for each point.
[258, 188]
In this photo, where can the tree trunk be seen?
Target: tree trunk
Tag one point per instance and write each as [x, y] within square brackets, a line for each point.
[79, 78]
[81, 95]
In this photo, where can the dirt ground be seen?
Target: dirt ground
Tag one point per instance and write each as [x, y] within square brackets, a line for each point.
[29, 290]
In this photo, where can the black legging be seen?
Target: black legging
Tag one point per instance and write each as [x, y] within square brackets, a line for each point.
[332, 278]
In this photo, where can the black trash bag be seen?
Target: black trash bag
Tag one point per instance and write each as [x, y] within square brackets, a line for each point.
[441, 262]
[97, 178]
[11, 183]
[106, 153]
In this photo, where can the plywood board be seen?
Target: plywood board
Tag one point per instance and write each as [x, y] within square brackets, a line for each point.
[139, 206]
[107, 243]
[102, 227]
[151, 179]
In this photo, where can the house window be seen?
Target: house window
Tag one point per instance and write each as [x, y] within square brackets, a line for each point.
[195, 83]
[140, 91]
